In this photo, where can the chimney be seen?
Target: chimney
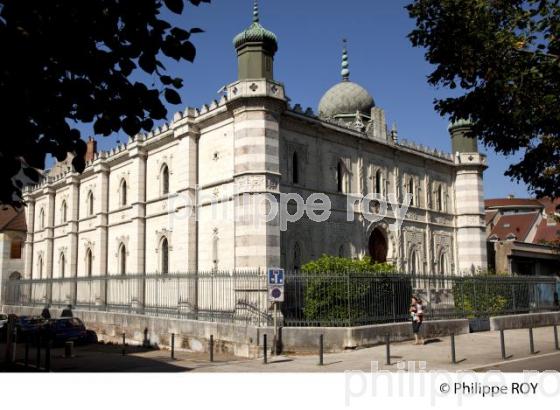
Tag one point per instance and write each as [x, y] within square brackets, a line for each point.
[91, 149]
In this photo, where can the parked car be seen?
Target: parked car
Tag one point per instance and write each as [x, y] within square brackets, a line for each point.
[29, 326]
[3, 320]
[66, 329]
[3, 326]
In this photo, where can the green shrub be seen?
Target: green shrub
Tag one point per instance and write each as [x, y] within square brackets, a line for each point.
[485, 296]
[353, 292]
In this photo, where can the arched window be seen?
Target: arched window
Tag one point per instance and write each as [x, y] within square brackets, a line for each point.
[89, 263]
[40, 267]
[215, 244]
[164, 175]
[295, 169]
[122, 259]
[340, 176]
[164, 250]
[90, 203]
[439, 199]
[378, 182]
[63, 212]
[15, 248]
[42, 218]
[122, 191]
[341, 251]
[62, 264]
[297, 257]
[414, 262]
[411, 191]
[443, 264]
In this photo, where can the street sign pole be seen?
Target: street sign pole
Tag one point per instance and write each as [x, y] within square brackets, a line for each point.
[275, 340]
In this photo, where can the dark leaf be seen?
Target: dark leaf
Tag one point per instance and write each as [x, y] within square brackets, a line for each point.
[176, 6]
[172, 96]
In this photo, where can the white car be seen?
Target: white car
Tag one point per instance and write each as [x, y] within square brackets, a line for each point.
[3, 320]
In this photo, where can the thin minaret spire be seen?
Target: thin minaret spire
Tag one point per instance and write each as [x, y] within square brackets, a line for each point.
[345, 65]
[256, 12]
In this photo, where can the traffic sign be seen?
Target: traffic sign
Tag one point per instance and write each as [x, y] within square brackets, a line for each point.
[276, 293]
[275, 276]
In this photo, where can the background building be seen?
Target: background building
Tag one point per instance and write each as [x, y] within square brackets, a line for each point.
[523, 235]
[12, 238]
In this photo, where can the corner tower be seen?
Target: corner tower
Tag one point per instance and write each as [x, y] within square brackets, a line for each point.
[256, 102]
[256, 47]
[469, 199]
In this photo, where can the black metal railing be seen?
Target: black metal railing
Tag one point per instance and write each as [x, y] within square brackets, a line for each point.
[336, 299]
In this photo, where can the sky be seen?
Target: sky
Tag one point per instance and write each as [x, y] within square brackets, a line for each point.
[310, 34]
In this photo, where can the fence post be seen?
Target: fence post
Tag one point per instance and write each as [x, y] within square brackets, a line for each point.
[453, 355]
[556, 338]
[531, 341]
[173, 345]
[211, 348]
[388, 349]
[321, 350]
[38, 363]
[123, 344]
[503, 344]
[48, 355]
[265, 359]
[348, 298]
[26, 358]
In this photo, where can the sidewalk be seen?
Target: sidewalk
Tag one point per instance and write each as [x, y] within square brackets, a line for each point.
[473, 351]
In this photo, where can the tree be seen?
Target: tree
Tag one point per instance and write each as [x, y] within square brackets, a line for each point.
[67, 61]
[505, 56]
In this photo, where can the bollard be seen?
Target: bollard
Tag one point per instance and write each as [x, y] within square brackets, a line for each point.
[265, 359]
[38, 363]
[556, 338]
[388, 350]
[453, 356]
[69, 349]
[211, 348]
[26, 359]
[173, 345]
[531, 341]
[321, 347]
[123, 344]
[503, 344]
[14, 346]
[48, 356]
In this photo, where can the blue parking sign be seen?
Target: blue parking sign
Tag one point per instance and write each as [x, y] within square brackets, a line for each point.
[275, 276]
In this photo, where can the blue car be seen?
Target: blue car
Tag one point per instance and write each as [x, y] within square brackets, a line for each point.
[66, 329]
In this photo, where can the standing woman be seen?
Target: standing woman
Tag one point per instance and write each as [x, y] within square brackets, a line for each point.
[417, 313]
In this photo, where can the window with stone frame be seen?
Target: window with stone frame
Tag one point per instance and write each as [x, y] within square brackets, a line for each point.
[164, 179]
[15, 248]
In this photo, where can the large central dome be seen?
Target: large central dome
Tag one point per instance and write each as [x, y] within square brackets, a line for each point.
[346, 99]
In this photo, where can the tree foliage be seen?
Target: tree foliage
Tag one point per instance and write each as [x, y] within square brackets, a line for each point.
[505, 56]
[67, 61]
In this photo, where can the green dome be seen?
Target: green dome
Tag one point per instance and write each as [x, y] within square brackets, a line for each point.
[345, 98]
[256, 33]
[460, 124]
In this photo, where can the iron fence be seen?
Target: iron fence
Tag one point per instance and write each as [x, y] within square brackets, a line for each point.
[209, 296]
[310, 299]
[360, 299]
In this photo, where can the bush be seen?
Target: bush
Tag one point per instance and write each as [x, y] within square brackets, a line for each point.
[342, 291]
[485, 296]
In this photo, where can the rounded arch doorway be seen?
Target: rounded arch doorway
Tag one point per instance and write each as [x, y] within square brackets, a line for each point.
[377, 246]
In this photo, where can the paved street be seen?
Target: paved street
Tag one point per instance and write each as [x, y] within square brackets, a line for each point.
[475, 351]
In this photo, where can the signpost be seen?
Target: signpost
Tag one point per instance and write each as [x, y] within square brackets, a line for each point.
[275, 295]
